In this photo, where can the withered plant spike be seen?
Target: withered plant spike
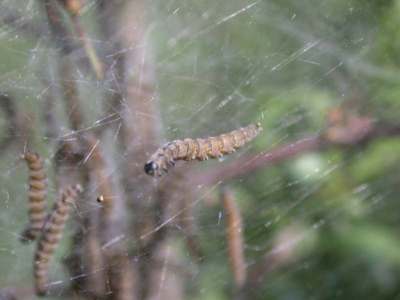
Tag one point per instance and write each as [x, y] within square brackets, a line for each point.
[200, 149]
[247, 164]
[51, 236]
[36, 196]
[234, 237]
[60, 33]
[63, 38]
[87, 45]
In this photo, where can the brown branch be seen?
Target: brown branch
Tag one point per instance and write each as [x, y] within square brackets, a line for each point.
[70, 94]
[64, 39]
[234, 237]
[140, 134]
[61, 36]
[249, 163]
[73, 7]
[95, 62]
[118, 268]
[355, 131]
[52, 126]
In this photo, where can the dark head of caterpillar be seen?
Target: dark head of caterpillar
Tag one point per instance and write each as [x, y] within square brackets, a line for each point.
[100, 199]
[199, 149]
[151, 168]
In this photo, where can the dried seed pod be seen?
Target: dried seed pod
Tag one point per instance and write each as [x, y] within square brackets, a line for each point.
[51, 236]
[200, 149]
[234, 236]
[36, 196]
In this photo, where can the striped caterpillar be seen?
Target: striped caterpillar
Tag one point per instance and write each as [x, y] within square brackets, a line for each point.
[36, 196]
[51, 236]
[199, 149]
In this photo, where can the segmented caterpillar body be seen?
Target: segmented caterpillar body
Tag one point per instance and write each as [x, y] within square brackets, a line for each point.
[36, 196]
[200, 149]
[51, 236]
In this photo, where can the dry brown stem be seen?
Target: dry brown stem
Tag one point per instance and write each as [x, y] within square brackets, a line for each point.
[234, 237]
[356, 131]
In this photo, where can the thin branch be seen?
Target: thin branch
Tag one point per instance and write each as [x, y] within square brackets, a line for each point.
[73, 7]
[61, 35]
[249, 163]
[71, 96]
[355, 131]
[95, 62]
[234, 237]
[49, 115]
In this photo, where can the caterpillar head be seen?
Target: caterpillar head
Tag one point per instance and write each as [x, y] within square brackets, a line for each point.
[151, 168]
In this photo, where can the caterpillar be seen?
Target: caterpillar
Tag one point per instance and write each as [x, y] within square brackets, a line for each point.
[36, 196]
[199, 149]
[51, 236]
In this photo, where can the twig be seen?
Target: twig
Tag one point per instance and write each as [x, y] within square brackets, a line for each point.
[356, 131]
[118, 268]
[247, 164]
[73, 8]
[234, 237]
[71, 97]
[91, 53]
[52, 125]
[61, 35]
[29, 28]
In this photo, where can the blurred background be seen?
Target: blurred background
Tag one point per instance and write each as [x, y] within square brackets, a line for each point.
[320, 221]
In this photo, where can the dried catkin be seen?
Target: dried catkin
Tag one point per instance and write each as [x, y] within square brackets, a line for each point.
[36, 196]
[234, 236]
[51, 236]
[200, 149]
